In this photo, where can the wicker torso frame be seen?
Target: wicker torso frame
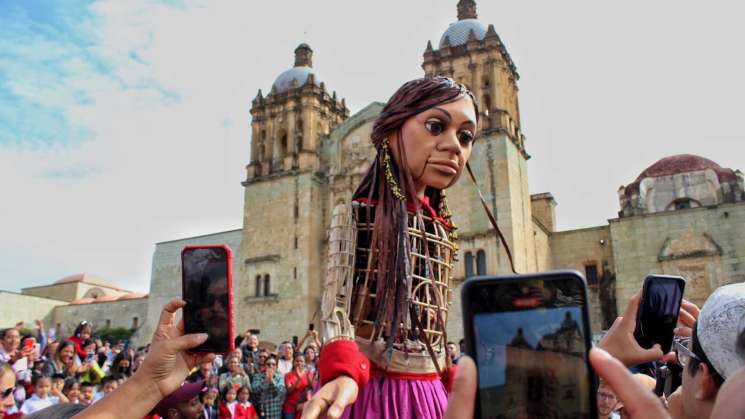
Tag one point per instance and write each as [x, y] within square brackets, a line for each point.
[350, 290]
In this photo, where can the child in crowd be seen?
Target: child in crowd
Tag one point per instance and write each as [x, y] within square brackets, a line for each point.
[71, 390]
[41, 398]
[226, 408]
[208, 402]
[244, 409]
[87, 393]
[108, 384]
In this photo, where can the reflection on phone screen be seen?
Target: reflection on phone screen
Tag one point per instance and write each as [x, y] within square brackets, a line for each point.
[531, 356]
[659, 312]
[206, 294]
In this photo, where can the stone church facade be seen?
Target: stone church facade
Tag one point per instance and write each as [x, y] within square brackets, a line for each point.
[682, 216]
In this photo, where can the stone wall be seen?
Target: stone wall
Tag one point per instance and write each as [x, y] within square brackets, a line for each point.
[705, 245]
[578, 249]
[282, 238]
[16, 307]
[101, 315]
[165, 281]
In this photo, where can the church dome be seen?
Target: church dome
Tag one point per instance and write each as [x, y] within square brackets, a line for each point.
[683, 163]
[457, 33]
[285, 80]
[299, 73]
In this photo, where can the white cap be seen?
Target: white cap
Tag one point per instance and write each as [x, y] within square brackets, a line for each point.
[721, 321]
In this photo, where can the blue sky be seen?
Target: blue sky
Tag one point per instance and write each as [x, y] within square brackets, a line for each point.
[114, 114]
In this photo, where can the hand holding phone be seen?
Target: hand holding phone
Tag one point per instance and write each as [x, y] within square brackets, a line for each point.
[208, 291]
[530, 338]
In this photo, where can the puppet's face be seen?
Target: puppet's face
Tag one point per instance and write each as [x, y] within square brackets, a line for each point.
[437, 143]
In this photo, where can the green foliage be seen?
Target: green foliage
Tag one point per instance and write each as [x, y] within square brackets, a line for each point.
[114, 334]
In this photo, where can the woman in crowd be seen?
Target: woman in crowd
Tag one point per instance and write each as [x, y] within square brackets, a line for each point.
[235, 376]
[310, 358]
[297, 381]
[7, 385]
[62, 361]
[122, 364]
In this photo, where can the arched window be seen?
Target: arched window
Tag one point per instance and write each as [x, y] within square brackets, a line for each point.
[267, 288]
[481, 262]
[258, 285]
[469, 264]
[282, 150]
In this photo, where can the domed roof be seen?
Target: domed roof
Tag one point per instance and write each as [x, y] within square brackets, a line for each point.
[86, 278]
[681, 163]
[457, 33]
[284, 81]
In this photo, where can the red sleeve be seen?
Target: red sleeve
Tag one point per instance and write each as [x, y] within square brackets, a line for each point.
[342, 357]
[251, 412]
[449, 378]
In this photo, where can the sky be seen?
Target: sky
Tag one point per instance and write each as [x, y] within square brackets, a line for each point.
[126, 123]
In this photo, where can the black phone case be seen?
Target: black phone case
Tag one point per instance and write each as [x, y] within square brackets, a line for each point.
[469, 336]
[648, 341]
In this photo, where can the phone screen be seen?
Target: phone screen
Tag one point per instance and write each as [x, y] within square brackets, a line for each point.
[206, 290]
[658, 311]
[530, 344]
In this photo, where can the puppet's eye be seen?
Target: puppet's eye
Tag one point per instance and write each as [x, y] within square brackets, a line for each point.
[465, 137]
[434, 126]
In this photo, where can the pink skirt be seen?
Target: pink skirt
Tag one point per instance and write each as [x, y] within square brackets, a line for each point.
[392, 398]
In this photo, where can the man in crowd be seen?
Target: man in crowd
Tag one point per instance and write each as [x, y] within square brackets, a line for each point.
[710, 356]
[453, 352]
[285, 353]
[250, 351]
[11, 340]
[202, 374]
[183, 403]
[270, 390]
[607, 401]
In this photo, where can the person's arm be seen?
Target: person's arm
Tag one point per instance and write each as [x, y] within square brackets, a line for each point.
[280, 389]
[162, 373]
[302, 341]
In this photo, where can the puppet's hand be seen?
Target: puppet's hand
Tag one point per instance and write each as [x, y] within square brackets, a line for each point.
[332, 398]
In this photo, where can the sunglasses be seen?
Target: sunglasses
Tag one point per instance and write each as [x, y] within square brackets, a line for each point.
[6, 393]
[684, 354]
[271, 364]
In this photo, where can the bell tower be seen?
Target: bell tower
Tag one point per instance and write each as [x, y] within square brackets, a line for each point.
[473, 54]
[288, 123]
[281, 253]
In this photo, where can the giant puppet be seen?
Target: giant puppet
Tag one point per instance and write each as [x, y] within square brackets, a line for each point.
[391, 254]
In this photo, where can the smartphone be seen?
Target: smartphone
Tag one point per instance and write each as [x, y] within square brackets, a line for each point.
[530, 337]
[311, 327]
[207, 287]
[658, 310]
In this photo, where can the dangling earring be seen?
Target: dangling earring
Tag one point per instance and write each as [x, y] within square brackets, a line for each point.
[447, 215]
[389, 172]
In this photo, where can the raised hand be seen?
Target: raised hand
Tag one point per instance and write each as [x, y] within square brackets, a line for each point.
[332, 399]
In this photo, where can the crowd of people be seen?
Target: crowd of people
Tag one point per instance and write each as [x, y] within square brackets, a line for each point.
[249, 383]
[42, 377]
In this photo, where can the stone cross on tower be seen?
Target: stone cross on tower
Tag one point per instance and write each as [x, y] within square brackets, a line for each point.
[303, 56]
[467, 9]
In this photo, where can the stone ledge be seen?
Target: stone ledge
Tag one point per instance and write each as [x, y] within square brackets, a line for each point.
[272, 298]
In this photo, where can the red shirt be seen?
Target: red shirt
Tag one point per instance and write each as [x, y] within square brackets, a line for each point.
[299, 382]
